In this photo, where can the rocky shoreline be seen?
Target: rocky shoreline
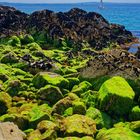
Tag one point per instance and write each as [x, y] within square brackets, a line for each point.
[65, 76]
[75, 25]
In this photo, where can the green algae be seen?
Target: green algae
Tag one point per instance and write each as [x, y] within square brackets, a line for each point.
[32, 98]
[115, 96]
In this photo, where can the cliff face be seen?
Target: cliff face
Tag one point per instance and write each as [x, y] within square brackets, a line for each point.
[76, 25]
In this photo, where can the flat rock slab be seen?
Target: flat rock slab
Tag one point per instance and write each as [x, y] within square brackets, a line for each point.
[9, 131]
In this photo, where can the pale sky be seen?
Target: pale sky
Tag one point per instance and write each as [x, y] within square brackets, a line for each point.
[67, 1]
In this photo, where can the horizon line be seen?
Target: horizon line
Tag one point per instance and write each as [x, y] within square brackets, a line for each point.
[69, 2]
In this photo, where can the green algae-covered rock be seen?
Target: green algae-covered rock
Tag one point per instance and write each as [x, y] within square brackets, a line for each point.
[33, 47]
[81, 88]
[35, 135]
[50, 93]
[48, 130]
[68, 112]
[90, 98]
[76, 138]
[120, 133]
[39, 113]
[135, 126]
[43, 78]
[116, 96]
[135, 114]
[4, 72]
[14, 86]
[9, 58]
[64, 104]
[101, 118]
[73, 81]
[27, 39]
[69, 70]
[79, 108]
[14, 41]
[78, 125]
[5, 102]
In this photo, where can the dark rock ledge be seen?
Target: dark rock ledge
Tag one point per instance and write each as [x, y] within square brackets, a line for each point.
[76, 25]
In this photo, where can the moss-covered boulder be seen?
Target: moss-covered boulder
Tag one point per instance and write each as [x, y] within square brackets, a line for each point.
[135, 114]
[4, 72]
[48, 130]
[27, 39]
[101, 118]
[33, 47]
[90, 98]
[13, 86]
[14, 41]
[38, 114]
[50, 93]
[73, 81]
[81, 88]
[9, 58]
[35, 135]
[44, 78]
[5, 102]
[135, 126]
[120, 133]
[68, 112]
[78, 125]
[116, 96]
[79, 108]
[64, 104]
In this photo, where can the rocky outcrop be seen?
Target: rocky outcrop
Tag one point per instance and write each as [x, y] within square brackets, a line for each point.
[113, 62]
[12, 21]
[76, 25]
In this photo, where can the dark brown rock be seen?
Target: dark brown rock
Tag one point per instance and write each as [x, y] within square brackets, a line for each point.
[76, 25]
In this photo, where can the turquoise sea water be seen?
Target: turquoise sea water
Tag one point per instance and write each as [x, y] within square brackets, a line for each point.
[124, 14]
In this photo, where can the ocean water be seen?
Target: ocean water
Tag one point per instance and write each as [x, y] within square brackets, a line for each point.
[120, 13]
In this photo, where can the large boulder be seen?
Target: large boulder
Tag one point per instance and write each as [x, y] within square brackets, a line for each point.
[116, 96]
[43, 78]
[120, 133]
[78, 125]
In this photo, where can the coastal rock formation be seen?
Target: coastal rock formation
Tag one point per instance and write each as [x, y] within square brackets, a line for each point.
[67, 91]
[75, 25]
[111, 63]
[12, 21]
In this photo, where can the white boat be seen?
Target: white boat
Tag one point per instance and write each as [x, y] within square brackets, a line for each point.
[101, 6]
